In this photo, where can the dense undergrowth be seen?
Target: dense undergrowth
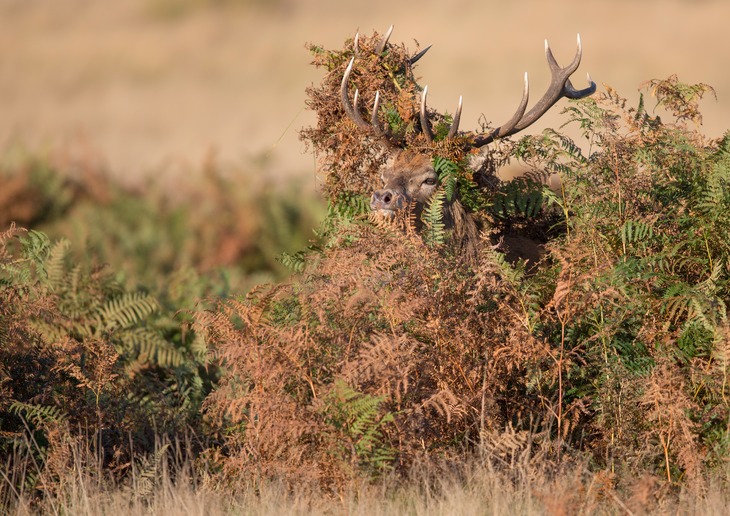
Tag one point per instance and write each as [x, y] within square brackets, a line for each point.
[391, 351]
[96, 301]
[387, 353]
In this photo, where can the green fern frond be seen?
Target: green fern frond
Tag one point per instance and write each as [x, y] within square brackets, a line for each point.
[148, 347]
[38, 415]
[512, 275]
[55, 264]
[633, 231]
[126, 310]
[348, 206]
[294, 262]
[519, 197]
[569, 147]
[30, 265]
[448, 173]
[358, 416]
[393, 119]
[677, 301]
[35, 246]
[433, 219]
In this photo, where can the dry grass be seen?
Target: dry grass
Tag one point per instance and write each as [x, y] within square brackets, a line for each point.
[482, 486]
[151, 86]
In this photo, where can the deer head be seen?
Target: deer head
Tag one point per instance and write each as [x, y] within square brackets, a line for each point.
[411, 177]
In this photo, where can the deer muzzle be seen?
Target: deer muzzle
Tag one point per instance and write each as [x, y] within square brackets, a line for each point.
[387, 201]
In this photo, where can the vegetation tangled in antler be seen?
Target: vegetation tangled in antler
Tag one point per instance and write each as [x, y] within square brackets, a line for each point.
[350, 159]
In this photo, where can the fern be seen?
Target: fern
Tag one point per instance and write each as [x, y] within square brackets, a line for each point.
[294, 261]
[635, 232]
[448, 173]
[125, 311]
[54, 265]
[143, 346]
[25, 269]
[518, 198]
[38, 415]
[148, 473]
[348, 206]
[433, 218]
[358, 416]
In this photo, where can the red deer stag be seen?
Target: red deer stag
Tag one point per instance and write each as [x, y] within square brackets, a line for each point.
[411, 178]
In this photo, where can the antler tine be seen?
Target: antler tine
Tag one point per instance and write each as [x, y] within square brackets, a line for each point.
[384, 41]
[418, 56]
[571, 93]
[560, 86]
[374, 118]
[457, 117]
[351, 111]
[356, 43]
[512, 123]
[425, 125]
[572, 67]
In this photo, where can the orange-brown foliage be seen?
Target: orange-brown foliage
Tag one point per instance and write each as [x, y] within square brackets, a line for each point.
[392, 318]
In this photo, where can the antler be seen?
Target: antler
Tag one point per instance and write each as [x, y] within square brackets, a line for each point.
[353, 111]
[560, 86]
[425, 124]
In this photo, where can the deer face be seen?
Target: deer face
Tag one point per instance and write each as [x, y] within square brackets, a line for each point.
[411, 178]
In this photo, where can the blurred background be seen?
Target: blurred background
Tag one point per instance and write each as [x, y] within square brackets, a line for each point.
[160, 86]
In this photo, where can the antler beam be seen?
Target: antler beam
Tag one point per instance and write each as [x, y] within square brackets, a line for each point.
[560, 86]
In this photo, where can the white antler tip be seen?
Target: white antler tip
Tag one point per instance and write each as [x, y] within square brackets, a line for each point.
[580, 45]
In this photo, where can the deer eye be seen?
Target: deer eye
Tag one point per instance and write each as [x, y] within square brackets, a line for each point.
[430, 181]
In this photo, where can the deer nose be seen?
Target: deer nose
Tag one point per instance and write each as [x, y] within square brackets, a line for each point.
[385, 200]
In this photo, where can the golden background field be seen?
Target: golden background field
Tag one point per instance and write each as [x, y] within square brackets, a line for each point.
[152, 86]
